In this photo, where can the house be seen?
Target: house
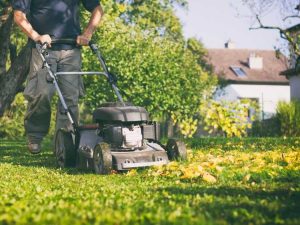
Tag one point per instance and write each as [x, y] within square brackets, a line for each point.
[251, 74]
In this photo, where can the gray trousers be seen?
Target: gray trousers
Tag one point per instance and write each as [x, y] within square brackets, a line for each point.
[39, 92]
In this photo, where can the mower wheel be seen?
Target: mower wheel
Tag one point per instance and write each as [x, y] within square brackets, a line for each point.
[65, 151]
[102, 158]
[176, 150]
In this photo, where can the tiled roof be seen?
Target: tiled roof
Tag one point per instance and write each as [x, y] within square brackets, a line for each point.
[223, 59]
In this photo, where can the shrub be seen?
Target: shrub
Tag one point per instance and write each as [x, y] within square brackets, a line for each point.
[266, 128]
[163, 75]
[11, 124]
[227, 118]
[288, 114]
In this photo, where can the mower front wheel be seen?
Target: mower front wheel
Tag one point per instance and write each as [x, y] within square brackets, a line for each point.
[65, 151]
[176, 150]
[102, 158]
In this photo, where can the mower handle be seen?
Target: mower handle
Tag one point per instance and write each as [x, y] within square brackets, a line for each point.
[67, 41]
[71, 41]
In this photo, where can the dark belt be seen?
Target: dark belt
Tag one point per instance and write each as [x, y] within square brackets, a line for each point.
[58, 47]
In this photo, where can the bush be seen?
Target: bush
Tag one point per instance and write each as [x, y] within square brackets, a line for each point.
[12, 125]
[227, 118]
[288, 114]
[266, 128]
[163, 75]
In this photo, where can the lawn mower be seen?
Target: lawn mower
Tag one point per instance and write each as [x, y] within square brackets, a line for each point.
[123, 136]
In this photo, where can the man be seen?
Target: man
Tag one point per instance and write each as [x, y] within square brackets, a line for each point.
[46, 20]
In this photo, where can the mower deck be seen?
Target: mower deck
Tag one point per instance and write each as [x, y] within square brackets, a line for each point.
[139, 158]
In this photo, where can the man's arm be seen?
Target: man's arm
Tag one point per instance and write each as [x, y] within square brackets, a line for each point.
[21, 20]
[91, 27]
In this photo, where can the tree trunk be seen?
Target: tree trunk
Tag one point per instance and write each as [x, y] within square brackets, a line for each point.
[5, 28]
[11, 81]
[170, 129]
[14, 78]
[167, 128]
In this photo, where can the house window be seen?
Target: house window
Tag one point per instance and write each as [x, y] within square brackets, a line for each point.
[238, 71]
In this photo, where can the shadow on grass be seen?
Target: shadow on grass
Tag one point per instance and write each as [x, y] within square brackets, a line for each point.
[16, 153]
[249, 205]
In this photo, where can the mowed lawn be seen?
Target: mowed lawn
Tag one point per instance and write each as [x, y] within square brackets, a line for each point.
[225, 181]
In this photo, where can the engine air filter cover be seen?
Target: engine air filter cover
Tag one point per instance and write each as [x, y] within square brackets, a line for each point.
[120, 114]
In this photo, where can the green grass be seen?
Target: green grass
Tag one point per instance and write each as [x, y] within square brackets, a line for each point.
[257, 182]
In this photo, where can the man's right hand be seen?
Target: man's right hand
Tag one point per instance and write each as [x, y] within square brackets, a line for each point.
[44, 39]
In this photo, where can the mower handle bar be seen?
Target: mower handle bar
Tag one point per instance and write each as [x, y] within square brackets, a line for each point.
[93, 46]
[70, 41]
[66, 41]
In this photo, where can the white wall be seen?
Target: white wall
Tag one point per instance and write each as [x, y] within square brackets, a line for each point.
[295, 87]
[267, 95]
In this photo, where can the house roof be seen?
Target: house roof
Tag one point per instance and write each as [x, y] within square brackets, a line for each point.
[223, 60]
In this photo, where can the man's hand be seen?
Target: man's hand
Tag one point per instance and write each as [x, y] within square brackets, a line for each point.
[44, 39]
[83, 40]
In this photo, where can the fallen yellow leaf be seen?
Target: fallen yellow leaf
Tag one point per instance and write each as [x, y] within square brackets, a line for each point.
[209, 178]
[247, 178]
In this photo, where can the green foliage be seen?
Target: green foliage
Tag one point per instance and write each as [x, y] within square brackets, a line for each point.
[18, 38]
[188, 126]
[197, 48]
[253, 185]
[229, 118]
[153, 71]
[11, 124]
[155, 16]
[266, 128]
[286, 122]
[288, 114]
[242, 144]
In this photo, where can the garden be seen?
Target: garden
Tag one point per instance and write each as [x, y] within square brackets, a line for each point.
[240, 171]
[224, 181]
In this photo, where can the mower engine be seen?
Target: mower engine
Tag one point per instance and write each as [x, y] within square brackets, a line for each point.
[129, 136]
[123, 136]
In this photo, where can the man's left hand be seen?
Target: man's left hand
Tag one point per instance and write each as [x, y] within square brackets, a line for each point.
[83, 40]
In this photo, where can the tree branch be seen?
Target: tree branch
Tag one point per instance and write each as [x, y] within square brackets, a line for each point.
[288, 17]
[283, 33]
[261, 26]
